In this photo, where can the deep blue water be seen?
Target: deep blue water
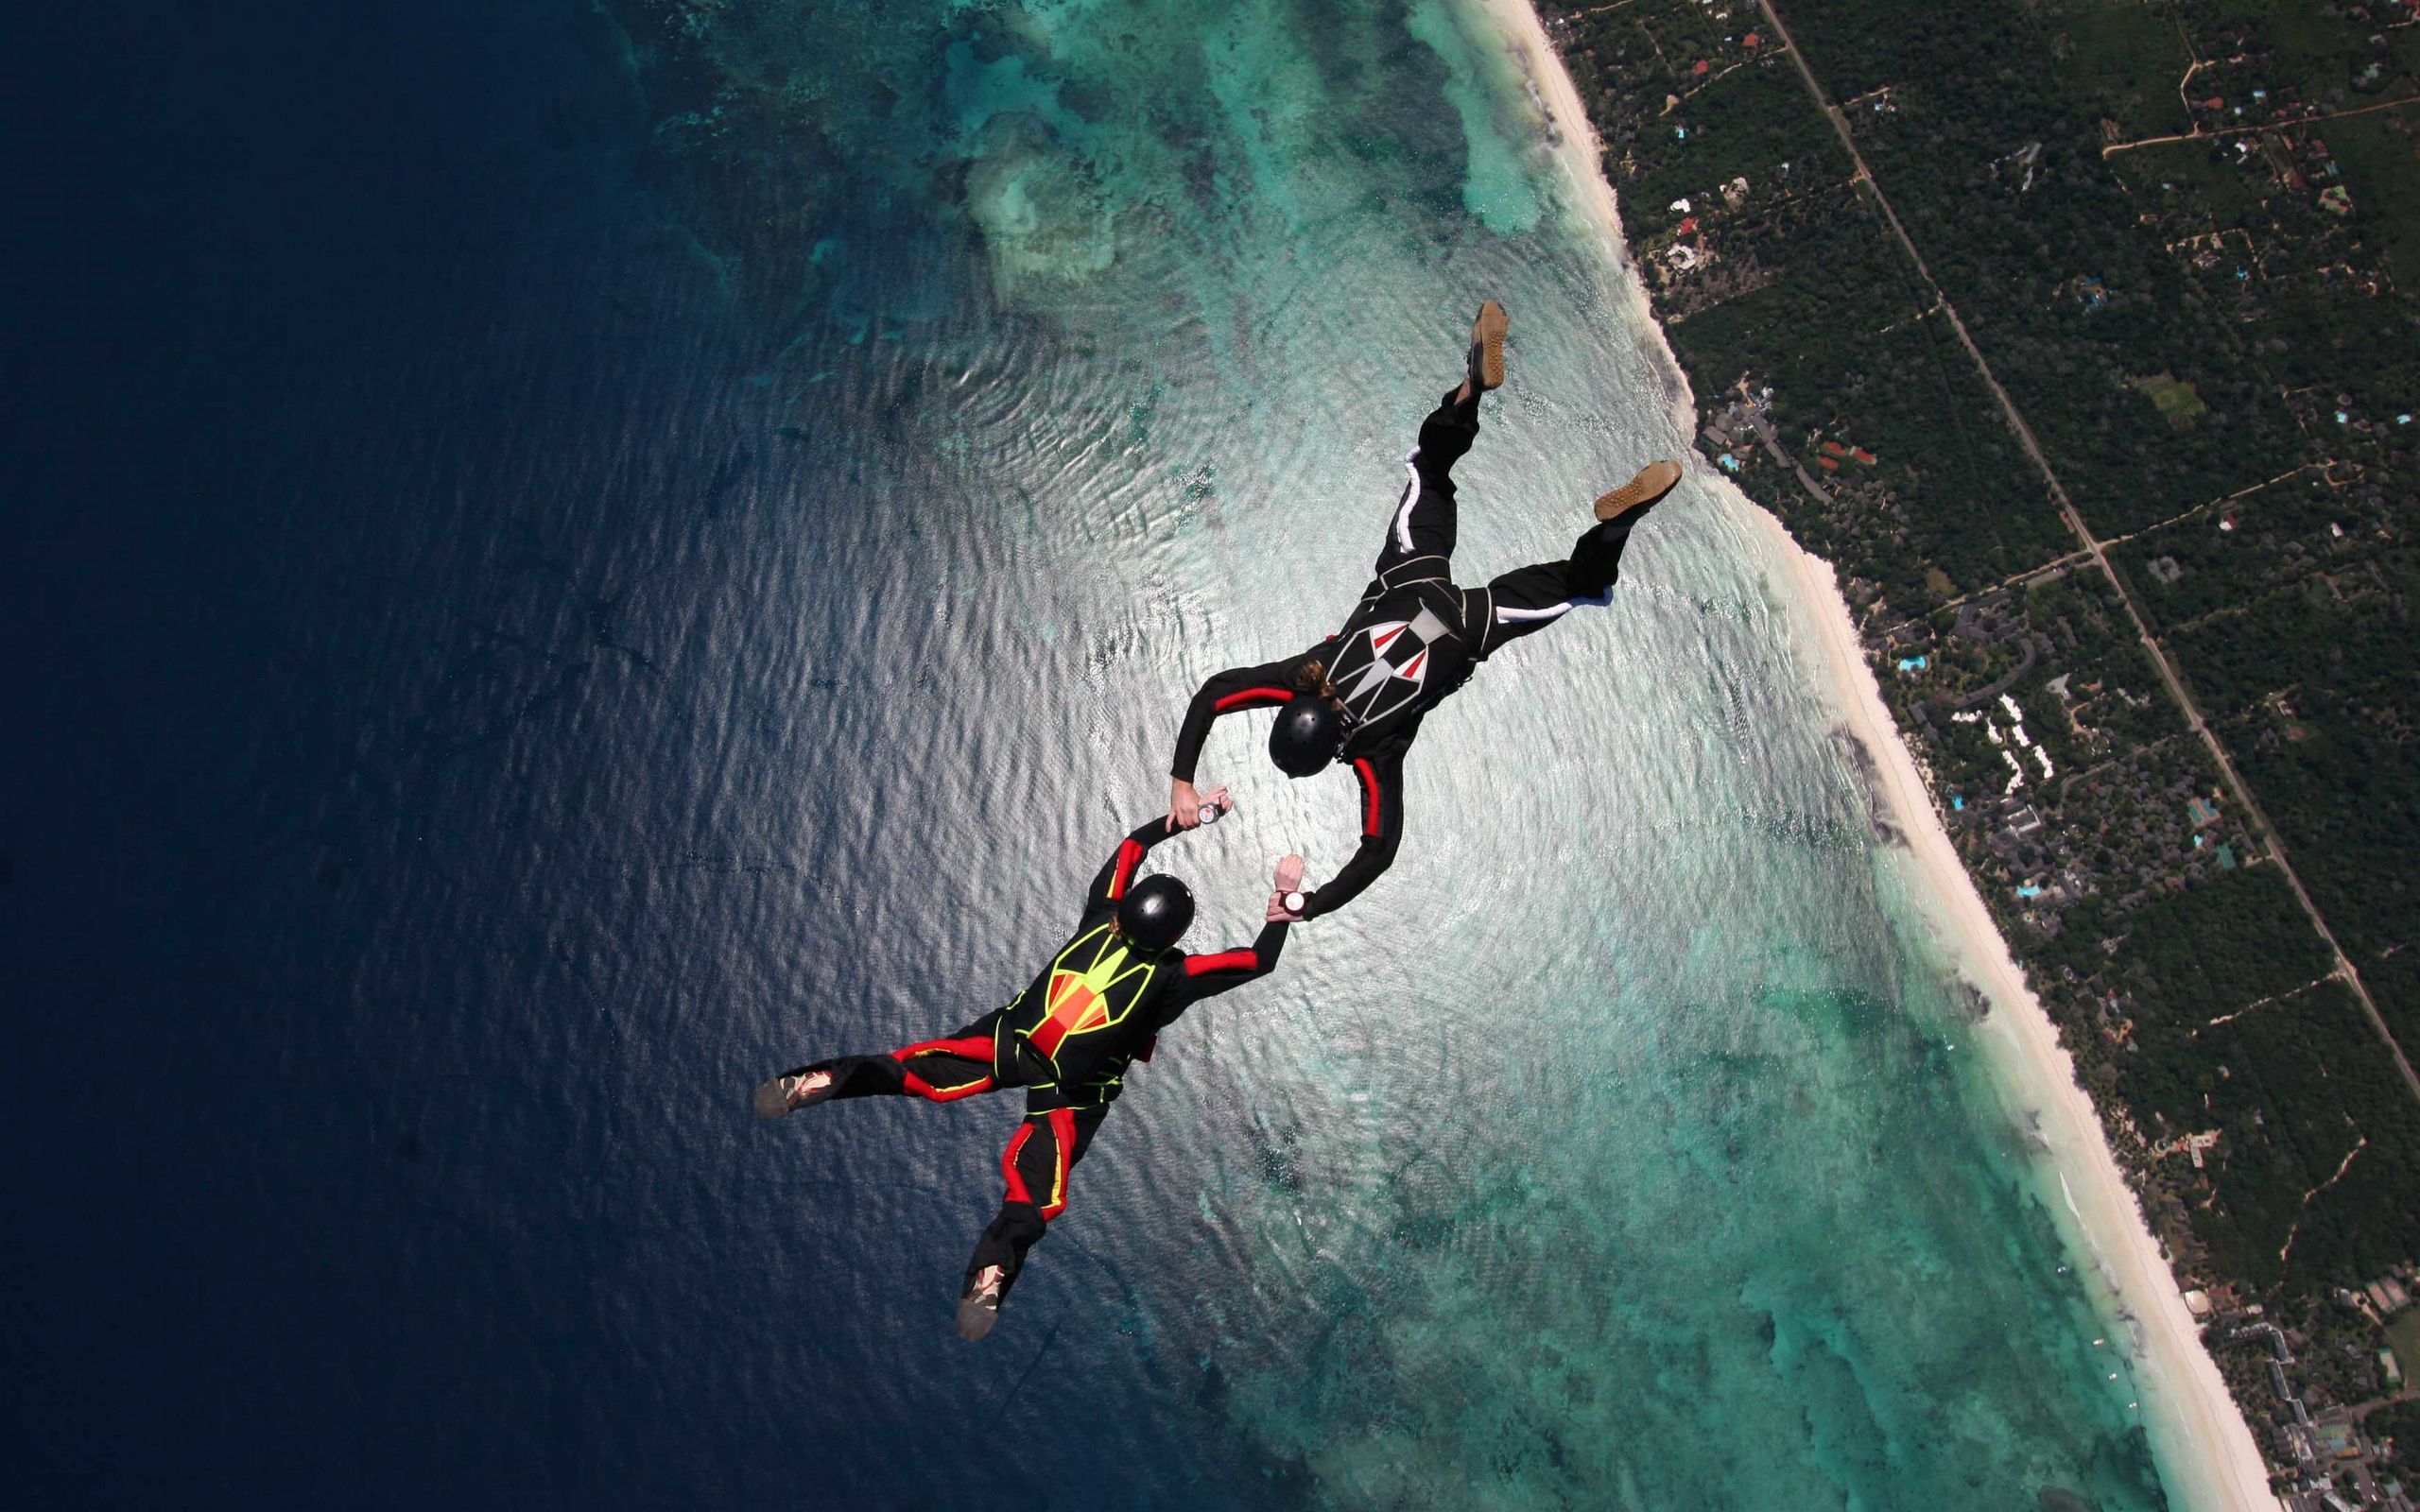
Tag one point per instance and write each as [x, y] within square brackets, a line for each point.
[535, 606]
[326, 461]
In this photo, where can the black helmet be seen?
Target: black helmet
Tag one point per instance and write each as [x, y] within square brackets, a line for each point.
[1306, 736]
[1155, 912]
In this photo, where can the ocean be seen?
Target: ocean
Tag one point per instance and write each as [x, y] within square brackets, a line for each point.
[565, 558]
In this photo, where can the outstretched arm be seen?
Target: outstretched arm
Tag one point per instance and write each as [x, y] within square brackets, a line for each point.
[1265, 686]
[1118, 873]
[1207, 976]
[1381, 783]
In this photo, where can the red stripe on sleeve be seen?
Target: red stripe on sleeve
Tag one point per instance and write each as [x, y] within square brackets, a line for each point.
[1369, 776]
[1244, 960]
[1129, 856]
[1253, 699]
[1015, 1183]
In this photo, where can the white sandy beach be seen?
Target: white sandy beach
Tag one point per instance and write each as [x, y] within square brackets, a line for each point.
[2204, 1447]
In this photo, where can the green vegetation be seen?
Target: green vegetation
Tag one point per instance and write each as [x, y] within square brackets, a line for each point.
[2257, 539]
[2327, 1194]
[1745, 124]
[2129, 57]
[2393, 982]
[2399, 1422]
[1839, 337]
[2378, 154]
[2190, 957]
[2195, 271]
[2312, 684]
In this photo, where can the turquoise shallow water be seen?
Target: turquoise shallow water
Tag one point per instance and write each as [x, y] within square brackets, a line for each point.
[1652, 1182]
[635, 556]
[1648, 1175]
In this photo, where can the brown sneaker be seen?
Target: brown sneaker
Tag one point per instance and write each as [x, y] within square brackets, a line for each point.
[979, 1306]
[1655, 480]
[1487, 347]
[792, 1090]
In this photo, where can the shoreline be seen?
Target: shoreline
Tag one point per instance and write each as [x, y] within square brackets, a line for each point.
[2210, 1458]
[2214, 1460]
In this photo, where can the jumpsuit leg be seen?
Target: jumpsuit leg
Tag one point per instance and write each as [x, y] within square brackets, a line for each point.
[939, 1071]
[1035, 1167]
[1531, 598]
[1423, 522]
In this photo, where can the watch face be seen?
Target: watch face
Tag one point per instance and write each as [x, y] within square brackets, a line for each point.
[1294, 901]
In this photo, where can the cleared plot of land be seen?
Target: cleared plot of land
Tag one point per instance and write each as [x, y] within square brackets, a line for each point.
[2403, 1335]
[2178, 403]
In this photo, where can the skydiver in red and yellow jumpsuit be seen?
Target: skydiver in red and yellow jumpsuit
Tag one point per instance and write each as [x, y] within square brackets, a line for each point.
[1068, 1040]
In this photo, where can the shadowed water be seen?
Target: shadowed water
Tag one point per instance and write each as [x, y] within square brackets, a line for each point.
[700, 582]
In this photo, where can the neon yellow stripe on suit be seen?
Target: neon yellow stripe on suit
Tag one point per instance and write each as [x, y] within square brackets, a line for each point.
[1100, 980]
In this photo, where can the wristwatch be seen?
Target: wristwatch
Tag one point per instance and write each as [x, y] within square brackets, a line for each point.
[1296, 902]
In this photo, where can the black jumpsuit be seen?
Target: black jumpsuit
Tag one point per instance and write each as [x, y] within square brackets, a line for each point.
[1068, 1040]
[1411, 642]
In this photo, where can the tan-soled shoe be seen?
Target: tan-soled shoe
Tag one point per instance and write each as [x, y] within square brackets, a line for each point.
[979, 1306]
[1655, 480]
[1487, 345]
[791, 1090]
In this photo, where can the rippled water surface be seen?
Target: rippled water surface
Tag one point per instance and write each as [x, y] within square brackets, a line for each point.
[607, 555]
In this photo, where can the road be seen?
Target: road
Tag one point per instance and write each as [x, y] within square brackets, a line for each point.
[2345, 971]
[2116, 147]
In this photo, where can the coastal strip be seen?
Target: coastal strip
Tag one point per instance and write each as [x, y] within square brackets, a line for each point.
[2204, 1447]
[2208, 1452]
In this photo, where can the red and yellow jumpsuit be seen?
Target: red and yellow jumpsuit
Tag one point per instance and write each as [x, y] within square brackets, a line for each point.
[1068, 1040]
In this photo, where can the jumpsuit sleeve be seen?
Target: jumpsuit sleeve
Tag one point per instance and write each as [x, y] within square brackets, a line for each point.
[1118, 873]
[1207, 976]
[1266, 686]
[1382, 780]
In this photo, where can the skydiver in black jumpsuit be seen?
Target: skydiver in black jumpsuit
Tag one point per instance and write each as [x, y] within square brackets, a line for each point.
[1359, 696]
[1068, 1040]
